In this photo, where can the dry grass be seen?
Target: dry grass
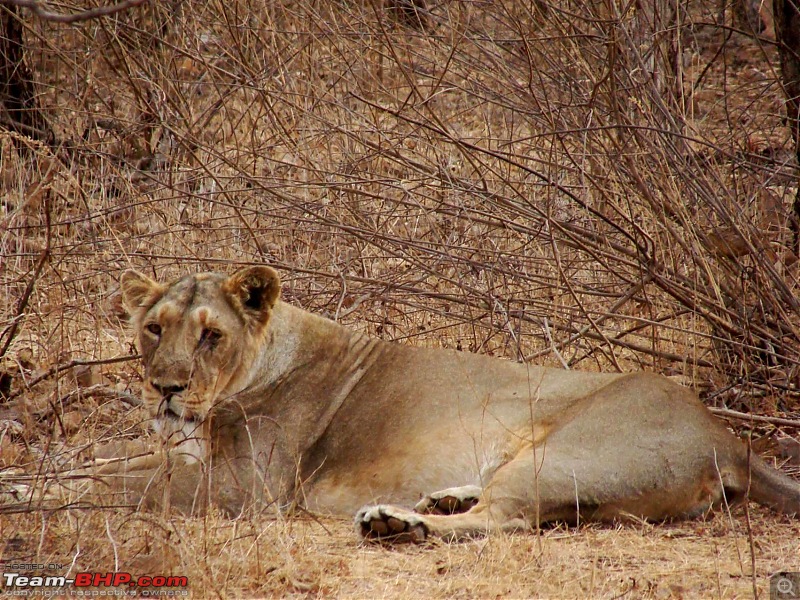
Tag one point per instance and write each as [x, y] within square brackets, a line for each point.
[493, 184]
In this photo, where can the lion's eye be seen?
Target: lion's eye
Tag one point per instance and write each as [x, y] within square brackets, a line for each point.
[154, 328]
[209, 338]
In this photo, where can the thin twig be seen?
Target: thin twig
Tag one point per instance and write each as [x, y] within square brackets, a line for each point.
[11, 331]
[554, 348]
[611, 312]
[71, 365]
[748, 523]
[99, 390]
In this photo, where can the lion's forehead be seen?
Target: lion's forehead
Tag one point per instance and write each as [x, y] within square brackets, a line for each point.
[196, 298]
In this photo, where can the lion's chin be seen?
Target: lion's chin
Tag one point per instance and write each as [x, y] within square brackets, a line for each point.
[184, 436]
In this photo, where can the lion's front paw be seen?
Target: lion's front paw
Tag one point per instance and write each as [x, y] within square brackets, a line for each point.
[389, 523]
[13, 491]
[450, 501]
[19, 491]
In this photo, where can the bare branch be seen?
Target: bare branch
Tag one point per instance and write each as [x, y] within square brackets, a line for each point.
[86, 15]
[735, 414]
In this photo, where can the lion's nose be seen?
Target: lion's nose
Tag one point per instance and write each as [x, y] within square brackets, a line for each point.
[168, 391]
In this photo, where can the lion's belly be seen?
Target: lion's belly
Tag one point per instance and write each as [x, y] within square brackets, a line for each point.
[403, 475]
[447, 420]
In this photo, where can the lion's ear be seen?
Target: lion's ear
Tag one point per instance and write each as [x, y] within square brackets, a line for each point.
[137, 290]
[255, 290]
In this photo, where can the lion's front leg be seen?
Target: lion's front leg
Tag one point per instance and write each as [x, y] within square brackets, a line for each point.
[112, 481]
[154, 481]
[135, 474]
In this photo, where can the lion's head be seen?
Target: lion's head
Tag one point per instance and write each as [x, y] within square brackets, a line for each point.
[199, 337]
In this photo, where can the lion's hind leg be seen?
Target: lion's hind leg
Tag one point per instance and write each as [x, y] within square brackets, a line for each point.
[452, 514]
[560, 483]
[388, 523]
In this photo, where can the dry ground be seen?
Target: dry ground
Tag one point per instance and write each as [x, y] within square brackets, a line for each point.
[506, 182]
[301, 557]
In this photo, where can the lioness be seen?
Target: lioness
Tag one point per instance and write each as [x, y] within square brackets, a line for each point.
[263, 402]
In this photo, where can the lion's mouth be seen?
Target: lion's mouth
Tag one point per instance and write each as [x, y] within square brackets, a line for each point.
[186, 417]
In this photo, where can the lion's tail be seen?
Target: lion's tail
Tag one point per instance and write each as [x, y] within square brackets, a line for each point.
[769, 487]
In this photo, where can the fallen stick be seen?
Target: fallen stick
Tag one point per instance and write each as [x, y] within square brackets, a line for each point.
[735, 414]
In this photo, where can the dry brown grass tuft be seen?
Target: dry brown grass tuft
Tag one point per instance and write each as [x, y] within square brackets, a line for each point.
[492, 183]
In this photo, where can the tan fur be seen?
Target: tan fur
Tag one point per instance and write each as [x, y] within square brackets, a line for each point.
[262, 403]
